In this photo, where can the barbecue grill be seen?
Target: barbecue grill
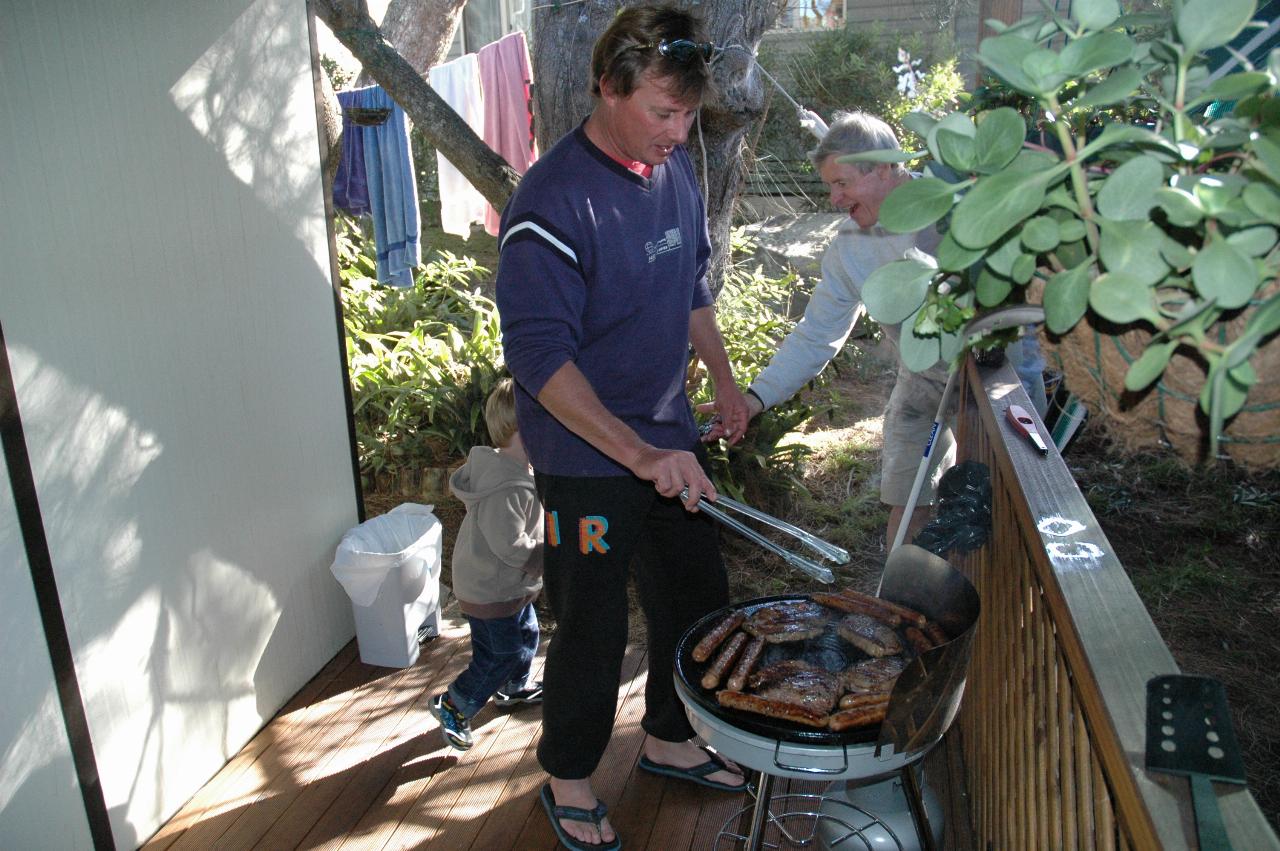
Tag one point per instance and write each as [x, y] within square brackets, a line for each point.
[923, 704]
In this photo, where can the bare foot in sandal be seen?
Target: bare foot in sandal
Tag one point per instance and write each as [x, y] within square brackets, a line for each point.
[675, 758]
[577, 794]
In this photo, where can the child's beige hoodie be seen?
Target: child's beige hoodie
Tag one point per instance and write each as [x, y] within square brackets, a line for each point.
[497, 559]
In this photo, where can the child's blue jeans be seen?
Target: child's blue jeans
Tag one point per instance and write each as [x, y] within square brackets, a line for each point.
[502, 651]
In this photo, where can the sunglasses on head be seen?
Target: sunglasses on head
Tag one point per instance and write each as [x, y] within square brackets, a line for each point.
[682, 49]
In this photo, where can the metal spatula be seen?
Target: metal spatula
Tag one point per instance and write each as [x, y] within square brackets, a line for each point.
[1189, 732]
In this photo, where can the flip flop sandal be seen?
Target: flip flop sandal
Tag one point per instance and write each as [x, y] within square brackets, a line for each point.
[592, 816]
[698, 773]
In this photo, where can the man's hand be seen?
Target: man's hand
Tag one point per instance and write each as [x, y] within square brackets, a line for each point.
[671, 471]
[733, 410]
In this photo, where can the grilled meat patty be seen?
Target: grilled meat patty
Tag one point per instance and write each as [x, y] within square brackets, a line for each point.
[869, 635]
[794, 620]
[799, 683]
[872, 674]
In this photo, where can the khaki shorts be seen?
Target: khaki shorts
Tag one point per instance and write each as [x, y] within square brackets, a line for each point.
[908, 421]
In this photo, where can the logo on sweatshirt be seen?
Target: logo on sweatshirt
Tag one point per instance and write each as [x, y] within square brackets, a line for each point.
[670, 241]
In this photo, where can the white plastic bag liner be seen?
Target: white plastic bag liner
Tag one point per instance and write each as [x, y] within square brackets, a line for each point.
[390, 567]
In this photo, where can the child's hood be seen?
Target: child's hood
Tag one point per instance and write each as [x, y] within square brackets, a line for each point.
[486, 471]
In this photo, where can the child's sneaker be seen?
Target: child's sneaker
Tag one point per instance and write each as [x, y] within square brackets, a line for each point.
[531, 694]
[454, 726]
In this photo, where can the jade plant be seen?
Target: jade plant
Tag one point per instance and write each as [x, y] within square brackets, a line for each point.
[1169, 225]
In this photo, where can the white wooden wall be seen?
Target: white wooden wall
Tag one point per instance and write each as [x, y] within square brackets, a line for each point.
[165, 300]
[36, 773]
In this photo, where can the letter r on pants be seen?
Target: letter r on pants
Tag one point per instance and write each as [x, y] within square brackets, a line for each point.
[591, 531]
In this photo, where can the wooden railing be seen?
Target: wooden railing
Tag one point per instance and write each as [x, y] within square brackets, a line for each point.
[1053, 722]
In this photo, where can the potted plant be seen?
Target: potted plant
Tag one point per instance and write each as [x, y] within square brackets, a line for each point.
[1152, 246]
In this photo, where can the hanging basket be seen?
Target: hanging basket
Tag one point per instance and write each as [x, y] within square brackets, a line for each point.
[1094, 358]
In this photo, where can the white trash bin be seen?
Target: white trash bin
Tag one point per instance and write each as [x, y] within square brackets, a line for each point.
[390, 568]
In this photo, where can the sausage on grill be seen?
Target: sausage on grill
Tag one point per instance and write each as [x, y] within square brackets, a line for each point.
[909, 615]
[716, 635]
[772, 708]
[716, 671]
[750, 656]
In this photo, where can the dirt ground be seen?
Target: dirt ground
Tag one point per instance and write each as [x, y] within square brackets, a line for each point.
[1202, 548]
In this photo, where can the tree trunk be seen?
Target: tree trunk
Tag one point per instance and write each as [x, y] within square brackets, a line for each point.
[421, 31]
[561, 58]
[487, 171]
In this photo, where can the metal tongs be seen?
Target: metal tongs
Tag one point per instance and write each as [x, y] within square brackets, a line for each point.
[828, 551]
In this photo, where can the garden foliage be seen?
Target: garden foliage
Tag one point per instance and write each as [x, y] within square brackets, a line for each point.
[422, 360]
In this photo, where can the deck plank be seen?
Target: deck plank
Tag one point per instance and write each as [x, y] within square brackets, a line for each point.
[324, 753]
[394, 740]
[355, 761]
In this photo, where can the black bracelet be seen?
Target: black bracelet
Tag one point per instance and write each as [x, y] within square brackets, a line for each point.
[763, 406]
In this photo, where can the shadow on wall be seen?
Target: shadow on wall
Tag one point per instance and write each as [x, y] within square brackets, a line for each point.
[183, 408]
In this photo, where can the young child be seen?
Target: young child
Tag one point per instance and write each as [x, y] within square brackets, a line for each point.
[497, 573]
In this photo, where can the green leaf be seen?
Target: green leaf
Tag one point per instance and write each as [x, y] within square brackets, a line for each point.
[1193, 319]
[1180, 207]
[1127, 134]
[1023, 268]
[1268, 157]
[1234, 87]
[1176, 254]
[1255, 242]
[955, 122]
[918, 353]
[954, 149]
[1099, 50]
[952, 256]
[1071, 230]
[1003, 55]
[1263, 201]
[1129, 192]
[1234, 392]
[1225, 274]
[1000, 135]
[1001, 260]
[1095, 14]
[1262, 322]
[916, 204]
[991, 288]
[919, 123]
[1122, 299]
[1066, 298]
[880, 155]
[1044, 67]
[1040, 234]
[1117, 87]
[1150, 365]
[1133, 248]
[1209, 23]
[995, 205]
[896, 290]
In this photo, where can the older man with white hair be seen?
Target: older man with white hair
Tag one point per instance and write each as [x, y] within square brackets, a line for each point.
[859, 247]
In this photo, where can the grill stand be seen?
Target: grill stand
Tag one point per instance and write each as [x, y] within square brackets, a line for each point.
[831, 818]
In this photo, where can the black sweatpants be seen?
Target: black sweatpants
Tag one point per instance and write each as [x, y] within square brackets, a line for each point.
[594, 527]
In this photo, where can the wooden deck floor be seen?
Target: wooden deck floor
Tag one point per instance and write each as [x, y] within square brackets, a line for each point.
[355, 761]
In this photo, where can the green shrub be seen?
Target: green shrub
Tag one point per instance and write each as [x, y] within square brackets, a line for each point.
[422, 360]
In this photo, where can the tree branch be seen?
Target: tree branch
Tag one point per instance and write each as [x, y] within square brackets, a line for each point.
[487, 171]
